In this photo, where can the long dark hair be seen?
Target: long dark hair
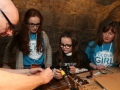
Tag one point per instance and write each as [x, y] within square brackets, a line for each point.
[76, 54]
[22, 37]
[114, 26]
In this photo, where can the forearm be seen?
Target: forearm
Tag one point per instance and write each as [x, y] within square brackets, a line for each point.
[13, 81]
[93, 66]
[17, 71]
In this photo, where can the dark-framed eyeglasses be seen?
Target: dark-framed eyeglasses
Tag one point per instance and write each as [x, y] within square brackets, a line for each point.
[32, 24]
[65, 46]
[11, 26]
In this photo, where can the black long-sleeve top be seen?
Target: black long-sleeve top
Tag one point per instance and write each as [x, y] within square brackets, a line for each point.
[67, 61]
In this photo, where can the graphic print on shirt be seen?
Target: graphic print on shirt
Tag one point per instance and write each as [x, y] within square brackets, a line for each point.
[104, 58]
[69, 64]
[33, 52]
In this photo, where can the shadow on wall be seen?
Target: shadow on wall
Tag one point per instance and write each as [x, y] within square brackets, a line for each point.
[105, 2]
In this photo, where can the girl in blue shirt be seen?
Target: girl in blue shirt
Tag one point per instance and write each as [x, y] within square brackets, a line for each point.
[32, 43]
[104, 51]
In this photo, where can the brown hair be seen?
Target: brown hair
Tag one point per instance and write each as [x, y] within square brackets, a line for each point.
[22, 37]
[114, 26]
[76, 54]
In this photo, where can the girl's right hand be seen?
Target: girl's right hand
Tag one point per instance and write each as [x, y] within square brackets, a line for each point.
[57, 74]
[100, 67]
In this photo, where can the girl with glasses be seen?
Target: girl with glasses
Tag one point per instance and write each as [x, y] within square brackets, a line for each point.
[32, 43]
[104, 51]
[69, 57]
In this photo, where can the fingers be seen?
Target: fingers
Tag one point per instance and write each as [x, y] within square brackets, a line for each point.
[72, 69]
[41, 69]
[58, 74]
[36, 70]
[46, 75]
[100, 67]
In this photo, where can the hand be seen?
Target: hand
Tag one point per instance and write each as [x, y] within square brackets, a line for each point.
[35, 71]
[57, 74]
[46, 75]
[72, 69]
[100, 67]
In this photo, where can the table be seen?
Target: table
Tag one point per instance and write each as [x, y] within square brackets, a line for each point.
[62, 85]
[92, 84]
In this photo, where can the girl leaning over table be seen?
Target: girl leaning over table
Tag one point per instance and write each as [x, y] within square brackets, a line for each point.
[32, 43]
[69, 57]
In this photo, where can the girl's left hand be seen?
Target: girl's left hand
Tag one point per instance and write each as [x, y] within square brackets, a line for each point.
[72, 69]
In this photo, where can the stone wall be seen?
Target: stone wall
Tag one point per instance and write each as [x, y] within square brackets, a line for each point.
[83, 16]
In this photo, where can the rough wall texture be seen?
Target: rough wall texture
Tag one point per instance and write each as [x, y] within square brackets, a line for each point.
[83, 16]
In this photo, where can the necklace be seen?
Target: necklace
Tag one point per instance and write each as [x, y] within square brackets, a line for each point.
[109, 47]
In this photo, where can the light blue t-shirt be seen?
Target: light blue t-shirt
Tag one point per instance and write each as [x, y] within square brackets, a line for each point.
[34, 57]
[100, 55]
